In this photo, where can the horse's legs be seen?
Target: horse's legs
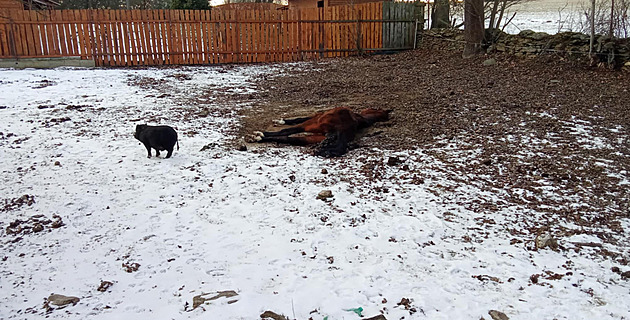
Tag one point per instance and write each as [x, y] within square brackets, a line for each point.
[296, 141]
[284, 132]
[335, 144]
[295, 121]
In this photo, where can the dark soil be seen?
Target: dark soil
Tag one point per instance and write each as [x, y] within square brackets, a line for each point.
[524, 123]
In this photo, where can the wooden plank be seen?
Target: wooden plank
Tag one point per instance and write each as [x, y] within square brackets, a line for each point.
[149, 17]
[37, 35]
[254, 34]
[237, 36]
[229, 37]
[186, 36]
[4, 36]
[98, 38]
[266, 36]
[97, 42]
[281, 37]
[80, 34]
[60, 37]
[74, 32]
[68, 31]
[162, 40]
[216, 36]
[198, 37]
[119, 34]
[175, 28]
[37, 42]
[113, 37]
[205, 33]
[192, 59]
[292, 36]
[251, 34]
[45, 33]
[193, 37]
[28, 36]
[19, 34]
[145, 48]
[105, 38]
[87, 35]
[138, 37]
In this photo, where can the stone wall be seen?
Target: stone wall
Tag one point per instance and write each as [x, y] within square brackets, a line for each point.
[613, 53]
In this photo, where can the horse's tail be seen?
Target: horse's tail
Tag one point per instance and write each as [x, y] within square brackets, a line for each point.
[178, 144]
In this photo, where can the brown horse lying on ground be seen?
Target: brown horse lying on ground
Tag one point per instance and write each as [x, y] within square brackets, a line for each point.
[333, 129]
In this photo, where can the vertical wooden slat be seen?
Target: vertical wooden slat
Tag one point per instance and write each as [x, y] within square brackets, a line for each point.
[143, 46]
[249, 35]
[74, 32]
[37, 41]
[99, 35]
[136, 36]
[163, 40]
[79, 34]
[4, 36]
[44, 31]
[198, 37]
[112, 38]
[21, 34]
[115, 36]
[265, 36]
[216, 36]
[175, 28]
[69, 32]
[106, 37]
[190, 37]
[29, 37]
[87, 34]
[203, 29]
[149, 27]
[253, 28]
[229, 44]
[60, 38]
[185, 38]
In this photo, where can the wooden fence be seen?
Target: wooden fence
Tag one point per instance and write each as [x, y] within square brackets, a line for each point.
[165, 37]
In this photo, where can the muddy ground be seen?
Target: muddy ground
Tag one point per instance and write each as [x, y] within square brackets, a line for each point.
[523, 123]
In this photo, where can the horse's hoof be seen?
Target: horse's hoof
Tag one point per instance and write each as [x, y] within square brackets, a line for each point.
[278, 122]
[259, 134]
[253, 138]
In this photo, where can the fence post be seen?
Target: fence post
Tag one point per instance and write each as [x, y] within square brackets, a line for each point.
[419, 18]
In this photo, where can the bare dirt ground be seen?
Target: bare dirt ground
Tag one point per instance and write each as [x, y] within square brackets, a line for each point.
[522, 124]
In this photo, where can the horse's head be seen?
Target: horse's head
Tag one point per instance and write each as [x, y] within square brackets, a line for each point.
[375, 115]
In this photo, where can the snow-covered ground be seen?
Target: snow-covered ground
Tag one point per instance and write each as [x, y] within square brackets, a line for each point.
[549, 16]
[213, 219]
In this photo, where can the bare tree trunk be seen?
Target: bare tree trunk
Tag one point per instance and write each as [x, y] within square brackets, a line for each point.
[473, 26]
[590, 50]
[612, 14]
[493, 14]
[441, 14]
[501, 12]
